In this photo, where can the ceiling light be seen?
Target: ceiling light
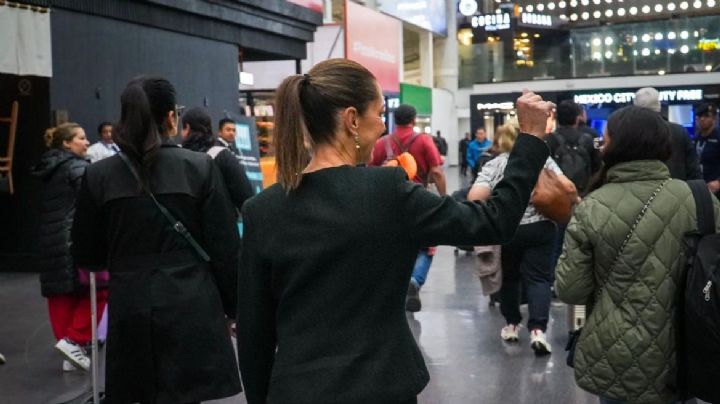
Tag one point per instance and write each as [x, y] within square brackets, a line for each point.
[551, 6]
[684, 35]
[608, 13]
[585, 15]
[708, 68]
[621, 11]
[696, 34]
[608, 55]
[684, 49]
[562, 4]
[684, 5]
[597, 14]
[530, 9]
[596, 56]
[596, 42]
[585, 2]
[573, 17]
[658, 36]
[711, 3]
[646, 52]
[697, 4]
[661, 72]
[540, 7]
[596, 1]
[671, 51]
[671, 6]
[671, 35]
[658, 8]
[633, 10]
[646, 38]
[608, 41]
[634, 38]
[657, 51]
[646, 9]
[635, 52]
[573, 3]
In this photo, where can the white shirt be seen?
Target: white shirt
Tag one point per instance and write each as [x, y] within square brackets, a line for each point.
[100, 150]
[492, 173]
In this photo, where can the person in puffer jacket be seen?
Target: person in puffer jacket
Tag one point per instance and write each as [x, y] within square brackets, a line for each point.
[626, 352]
[60, 170]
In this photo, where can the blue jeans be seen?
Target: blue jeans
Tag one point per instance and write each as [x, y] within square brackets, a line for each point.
[527, 260]
[422, 267]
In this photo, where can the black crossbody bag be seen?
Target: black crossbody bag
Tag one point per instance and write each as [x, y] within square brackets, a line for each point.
[175, 224]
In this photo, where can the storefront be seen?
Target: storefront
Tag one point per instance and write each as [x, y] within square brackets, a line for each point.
[678, 104]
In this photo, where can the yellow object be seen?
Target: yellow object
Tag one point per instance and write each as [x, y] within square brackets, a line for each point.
[269, 171]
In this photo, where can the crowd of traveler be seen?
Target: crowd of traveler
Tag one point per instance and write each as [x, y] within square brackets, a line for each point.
[336, 252]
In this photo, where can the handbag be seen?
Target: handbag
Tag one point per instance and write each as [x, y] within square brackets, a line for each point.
[554, 196]
[574, 336]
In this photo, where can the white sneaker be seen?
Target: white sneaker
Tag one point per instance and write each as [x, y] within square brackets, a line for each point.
[509, 333]
[68, 367]
[74, 354]
[539, 342]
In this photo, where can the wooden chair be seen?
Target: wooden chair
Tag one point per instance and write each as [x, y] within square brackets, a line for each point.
[6, 161]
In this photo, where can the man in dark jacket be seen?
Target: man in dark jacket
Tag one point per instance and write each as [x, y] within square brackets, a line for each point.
[684, 163]
[462, 152]
[226, 135]
[708, 145]
[583, 126]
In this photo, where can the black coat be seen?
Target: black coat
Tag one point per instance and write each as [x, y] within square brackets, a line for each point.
[325, 270]
[61, 172]
[236, 181]
[167, 339]
[684, 164]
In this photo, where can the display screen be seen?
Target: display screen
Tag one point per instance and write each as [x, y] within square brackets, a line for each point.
[681, 114]
[428, 14]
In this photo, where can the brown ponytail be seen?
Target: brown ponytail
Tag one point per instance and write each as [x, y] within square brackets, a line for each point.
[57, 136]
[307, 106]
[290, 133]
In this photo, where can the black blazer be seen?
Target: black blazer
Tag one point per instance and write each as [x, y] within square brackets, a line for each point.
[321, 314]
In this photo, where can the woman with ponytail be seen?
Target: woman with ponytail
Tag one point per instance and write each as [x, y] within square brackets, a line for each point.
[168, 340]
[327, 251]
[61, 169]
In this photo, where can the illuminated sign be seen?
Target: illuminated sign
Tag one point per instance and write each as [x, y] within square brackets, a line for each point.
[709, 45]
[692, 94]
[393, 103]
[536, 19]
[495, 105]
[468, 7]
[491, 22]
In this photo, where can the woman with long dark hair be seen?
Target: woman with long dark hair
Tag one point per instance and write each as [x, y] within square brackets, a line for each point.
[61, 169]
[623, 256]
[329, 249]
[198, 136]
[160, 219]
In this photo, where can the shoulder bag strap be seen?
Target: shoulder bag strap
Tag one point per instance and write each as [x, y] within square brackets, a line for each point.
[389, 153]
[176, 225]
[704, 207]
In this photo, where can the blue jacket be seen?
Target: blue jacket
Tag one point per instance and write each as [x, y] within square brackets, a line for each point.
[709, 150]
[475, 150]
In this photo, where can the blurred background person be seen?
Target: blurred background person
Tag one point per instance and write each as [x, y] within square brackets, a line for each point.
[708, 145]
[479, 146]
[226, 135]
[106, 146]
[61, 169]
[462, 153]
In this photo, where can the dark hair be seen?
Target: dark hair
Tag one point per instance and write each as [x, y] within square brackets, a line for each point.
[706, 109]
[567, 113]
[200, 138]
[224, 122]
[145, 103]
[102, 125]
[404, 114]
[308, 105]
[56, 137]
[635, 133]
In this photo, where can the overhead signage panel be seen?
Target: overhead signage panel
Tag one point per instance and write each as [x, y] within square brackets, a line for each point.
[426, 14]
[627, 97]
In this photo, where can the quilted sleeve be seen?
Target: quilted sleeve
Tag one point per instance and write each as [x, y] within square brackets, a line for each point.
[574, 280]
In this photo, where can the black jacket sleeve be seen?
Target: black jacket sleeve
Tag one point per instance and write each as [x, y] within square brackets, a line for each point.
[434, 220]
[222, 240]
[236, 181]
[692, 161]
[256, 318]
[89, 246]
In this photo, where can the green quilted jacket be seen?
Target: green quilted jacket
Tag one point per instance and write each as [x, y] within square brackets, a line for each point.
[627, 348]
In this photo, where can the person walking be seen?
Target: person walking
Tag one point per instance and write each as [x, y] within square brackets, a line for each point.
[462, 154]
[430, 169]
[60, 170]
[197, 136]
[527, 259]
[476, 150]
[159, 217]
[328, 251]
[623, 256]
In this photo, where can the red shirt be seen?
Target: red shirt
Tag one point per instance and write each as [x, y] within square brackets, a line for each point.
[423, 150]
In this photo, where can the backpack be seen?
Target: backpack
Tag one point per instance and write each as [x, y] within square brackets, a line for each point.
[403, 159]
[699, 311]
[573, 159]
[441, 145]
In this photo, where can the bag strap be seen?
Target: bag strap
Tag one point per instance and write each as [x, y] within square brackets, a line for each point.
[389, 153]
[704, 207]
[404, 148]
[176, 225]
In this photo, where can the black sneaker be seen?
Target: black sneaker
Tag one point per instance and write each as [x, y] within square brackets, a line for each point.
[412, 300]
